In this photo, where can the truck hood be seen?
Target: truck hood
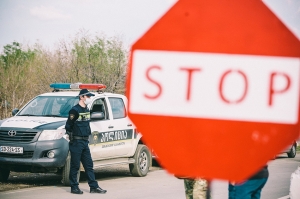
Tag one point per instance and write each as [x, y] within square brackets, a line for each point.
[29, 121]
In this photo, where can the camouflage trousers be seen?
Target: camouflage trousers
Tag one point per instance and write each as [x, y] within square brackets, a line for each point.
[195, 188]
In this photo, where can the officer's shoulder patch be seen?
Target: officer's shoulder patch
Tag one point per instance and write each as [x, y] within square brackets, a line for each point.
[72, 116]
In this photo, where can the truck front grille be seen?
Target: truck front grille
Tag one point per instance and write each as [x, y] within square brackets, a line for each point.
[26, 154]
[20, 136]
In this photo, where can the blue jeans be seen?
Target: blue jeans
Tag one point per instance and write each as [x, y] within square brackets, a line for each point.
[80, 151]
[250, 189]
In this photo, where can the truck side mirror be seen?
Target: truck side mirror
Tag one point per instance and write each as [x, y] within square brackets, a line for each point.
[97, 116]
[15, 111]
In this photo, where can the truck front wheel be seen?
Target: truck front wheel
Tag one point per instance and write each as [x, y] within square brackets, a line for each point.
[142, 162]
[293, 151]
[66, 172]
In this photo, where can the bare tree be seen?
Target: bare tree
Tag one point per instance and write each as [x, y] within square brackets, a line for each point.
[26, 73]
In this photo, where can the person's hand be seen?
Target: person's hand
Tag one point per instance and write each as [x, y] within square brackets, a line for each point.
[66, 136]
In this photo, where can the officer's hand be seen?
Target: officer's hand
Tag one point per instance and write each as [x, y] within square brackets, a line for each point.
[66, 136]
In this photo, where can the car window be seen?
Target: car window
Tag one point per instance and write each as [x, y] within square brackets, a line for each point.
[99, 105]
[118, 107]
[57, 106]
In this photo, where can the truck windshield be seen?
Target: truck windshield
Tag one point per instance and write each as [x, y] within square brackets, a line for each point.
[49, 106]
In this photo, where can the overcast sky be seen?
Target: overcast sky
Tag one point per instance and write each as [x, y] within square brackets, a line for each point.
[48, 21]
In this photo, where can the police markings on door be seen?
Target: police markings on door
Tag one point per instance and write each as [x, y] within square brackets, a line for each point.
[215, 86]
[111, 136]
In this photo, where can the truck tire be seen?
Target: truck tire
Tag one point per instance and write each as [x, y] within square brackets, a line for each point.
[142, 162]
[4, 174]
[66, 172]
[292, 152]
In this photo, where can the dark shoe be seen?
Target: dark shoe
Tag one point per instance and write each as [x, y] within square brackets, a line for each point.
[76, 191]
[97, 190]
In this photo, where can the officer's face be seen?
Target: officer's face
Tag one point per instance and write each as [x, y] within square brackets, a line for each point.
[85, 97]
[87, 100]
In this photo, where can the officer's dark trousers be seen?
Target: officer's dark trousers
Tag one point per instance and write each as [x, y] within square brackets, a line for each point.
[250, 189]
[80, 151]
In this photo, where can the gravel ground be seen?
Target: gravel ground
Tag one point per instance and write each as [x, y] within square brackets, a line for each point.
[26, 180]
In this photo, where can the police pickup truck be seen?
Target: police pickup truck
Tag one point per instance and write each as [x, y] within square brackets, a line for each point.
[34, 139]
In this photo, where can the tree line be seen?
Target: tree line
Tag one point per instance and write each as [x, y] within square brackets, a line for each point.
[27, 72]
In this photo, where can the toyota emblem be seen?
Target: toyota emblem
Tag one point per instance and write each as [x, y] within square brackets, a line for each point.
[12, 133]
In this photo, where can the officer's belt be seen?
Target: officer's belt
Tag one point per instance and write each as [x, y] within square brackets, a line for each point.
[81, 138]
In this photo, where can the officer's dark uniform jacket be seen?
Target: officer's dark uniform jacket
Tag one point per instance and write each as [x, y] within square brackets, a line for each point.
[79, 121]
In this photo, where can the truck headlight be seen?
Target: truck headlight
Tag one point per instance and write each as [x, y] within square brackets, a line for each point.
[52, 134]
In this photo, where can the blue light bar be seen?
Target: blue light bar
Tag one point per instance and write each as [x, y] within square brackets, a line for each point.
[60, 86]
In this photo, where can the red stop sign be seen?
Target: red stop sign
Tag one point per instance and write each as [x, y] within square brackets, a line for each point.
[213, 87]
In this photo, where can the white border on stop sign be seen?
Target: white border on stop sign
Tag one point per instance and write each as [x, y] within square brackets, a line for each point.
[204, 101]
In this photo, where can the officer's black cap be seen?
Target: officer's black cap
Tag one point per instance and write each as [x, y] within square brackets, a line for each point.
[86, 92]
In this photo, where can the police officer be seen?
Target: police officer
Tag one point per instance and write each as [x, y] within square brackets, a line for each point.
[78, 128]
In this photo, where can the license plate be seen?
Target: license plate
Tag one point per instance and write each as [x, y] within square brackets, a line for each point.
[11, 149]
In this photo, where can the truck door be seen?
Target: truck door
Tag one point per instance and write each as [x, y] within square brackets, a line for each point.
[100, 147]
[123, 129]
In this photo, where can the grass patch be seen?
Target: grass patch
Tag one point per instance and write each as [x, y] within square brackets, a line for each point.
[298, 148]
